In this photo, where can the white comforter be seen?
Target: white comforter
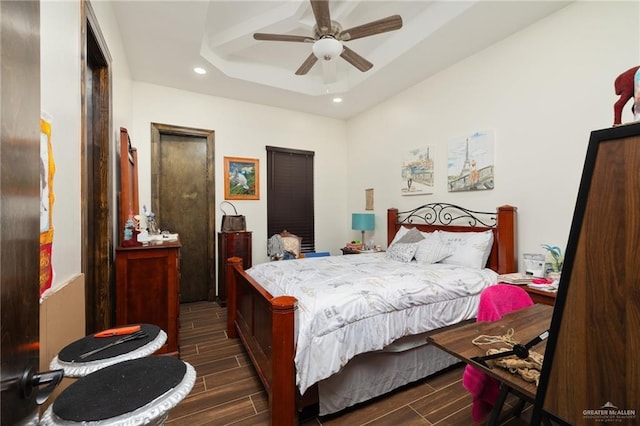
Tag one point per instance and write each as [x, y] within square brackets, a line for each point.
[348, 305]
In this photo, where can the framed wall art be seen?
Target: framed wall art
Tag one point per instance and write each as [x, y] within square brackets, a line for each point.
[241, 178]
[417, 172]
[47, 171]
[470, 163]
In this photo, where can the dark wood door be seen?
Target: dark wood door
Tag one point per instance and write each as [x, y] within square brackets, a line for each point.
[20, 205]
[183, 195]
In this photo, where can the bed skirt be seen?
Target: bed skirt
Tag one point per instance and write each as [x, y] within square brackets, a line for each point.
[375, 373]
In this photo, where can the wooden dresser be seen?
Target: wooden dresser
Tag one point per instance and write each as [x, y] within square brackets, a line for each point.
[231, 244]
[148, 288]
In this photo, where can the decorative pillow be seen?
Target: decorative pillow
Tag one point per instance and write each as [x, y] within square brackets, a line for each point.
[291, 244]
[471, 249]
[405, 248]
[412, 236]
[401, 232]
[432, 249]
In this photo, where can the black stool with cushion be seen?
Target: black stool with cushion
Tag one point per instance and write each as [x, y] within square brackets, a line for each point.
[73, 365]
[139, 391]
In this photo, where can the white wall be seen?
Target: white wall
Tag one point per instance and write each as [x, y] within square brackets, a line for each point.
[542, 91]
[60, 99]
[60, 42]
[121, 77]
[244, 130]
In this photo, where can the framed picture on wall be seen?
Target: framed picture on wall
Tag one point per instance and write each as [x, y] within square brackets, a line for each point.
[417, 172]
[241, 178]
[470, 163]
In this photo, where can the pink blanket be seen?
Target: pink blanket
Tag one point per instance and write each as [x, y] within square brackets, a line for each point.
[495, 301]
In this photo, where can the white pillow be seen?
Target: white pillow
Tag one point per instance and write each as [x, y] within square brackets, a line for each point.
[432, 249]
[403, 230]
[405, 248]
[471, 249]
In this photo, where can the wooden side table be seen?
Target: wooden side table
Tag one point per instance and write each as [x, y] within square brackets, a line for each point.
[541, 296]
[347, 250]
[527, 323]
[537, 295]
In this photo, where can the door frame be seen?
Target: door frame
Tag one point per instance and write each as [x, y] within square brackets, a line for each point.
[96, 125]
[157, 130]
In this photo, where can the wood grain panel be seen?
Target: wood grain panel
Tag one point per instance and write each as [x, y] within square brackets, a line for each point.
[148, 282]
[595, 332]
[183, 197]
[20, 201]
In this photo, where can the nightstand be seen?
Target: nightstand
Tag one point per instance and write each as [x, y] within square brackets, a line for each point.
[347, 250]
[541, 296]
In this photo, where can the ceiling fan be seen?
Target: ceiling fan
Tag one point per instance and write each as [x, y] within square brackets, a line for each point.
[329, 37]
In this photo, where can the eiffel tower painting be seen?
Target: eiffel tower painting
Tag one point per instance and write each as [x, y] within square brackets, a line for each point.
[470, 163]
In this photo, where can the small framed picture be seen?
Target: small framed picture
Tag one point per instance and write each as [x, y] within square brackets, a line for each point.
[241, 178]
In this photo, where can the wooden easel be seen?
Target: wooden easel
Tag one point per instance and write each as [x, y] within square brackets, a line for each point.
[591, 368]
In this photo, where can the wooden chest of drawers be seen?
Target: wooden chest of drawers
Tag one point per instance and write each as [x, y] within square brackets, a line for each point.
[231, 244]
[148, 288]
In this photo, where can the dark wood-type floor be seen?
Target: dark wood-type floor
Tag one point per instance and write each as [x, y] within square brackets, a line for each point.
[228, 392]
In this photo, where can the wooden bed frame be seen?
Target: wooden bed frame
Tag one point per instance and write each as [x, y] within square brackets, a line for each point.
[265, 324]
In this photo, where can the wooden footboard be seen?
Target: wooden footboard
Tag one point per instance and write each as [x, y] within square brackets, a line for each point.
[265, 324]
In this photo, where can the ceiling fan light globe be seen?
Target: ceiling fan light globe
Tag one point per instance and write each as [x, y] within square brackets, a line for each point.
[327, 48]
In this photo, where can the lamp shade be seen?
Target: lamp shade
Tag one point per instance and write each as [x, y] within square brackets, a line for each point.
[327, 48]
[363, 221]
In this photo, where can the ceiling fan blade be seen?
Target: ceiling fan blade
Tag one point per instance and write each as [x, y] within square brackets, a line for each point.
[390, 23]
[307, 64]
[321, 13]
[282, 37]
[356, 60]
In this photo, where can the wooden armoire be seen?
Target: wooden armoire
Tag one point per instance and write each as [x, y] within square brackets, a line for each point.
[591, 370]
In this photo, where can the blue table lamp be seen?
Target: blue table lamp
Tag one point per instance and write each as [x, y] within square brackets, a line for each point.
[363, 222]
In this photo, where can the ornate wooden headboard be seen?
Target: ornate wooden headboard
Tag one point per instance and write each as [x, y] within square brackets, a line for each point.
[129, 203]
[449, 217]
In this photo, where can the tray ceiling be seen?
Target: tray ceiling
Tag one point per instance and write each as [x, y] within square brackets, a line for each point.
[165, 40]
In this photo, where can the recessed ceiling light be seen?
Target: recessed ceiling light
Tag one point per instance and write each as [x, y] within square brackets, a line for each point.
[199, 70]
[337, 100]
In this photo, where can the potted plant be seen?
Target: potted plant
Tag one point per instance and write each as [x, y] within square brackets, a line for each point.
[557, 259]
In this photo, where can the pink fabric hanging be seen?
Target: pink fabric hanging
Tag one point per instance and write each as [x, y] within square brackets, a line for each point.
[495, 301]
